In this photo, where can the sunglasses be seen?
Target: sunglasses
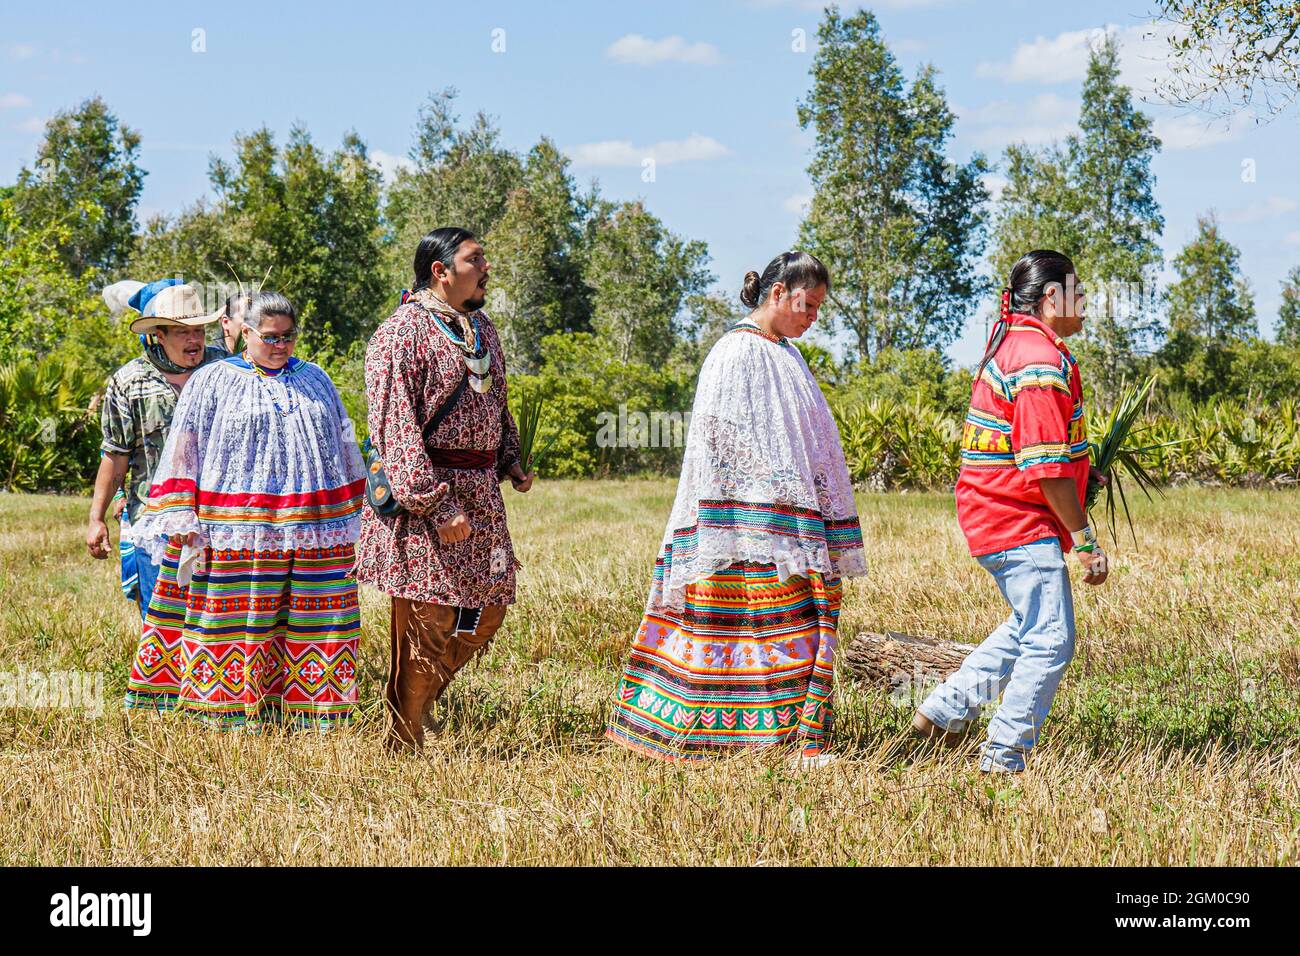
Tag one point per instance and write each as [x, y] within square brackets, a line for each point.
[274, 340]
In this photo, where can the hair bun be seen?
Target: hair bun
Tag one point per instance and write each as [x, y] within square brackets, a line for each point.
[749, 291]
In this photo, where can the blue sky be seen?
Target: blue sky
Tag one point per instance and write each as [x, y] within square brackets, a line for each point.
[709, 88]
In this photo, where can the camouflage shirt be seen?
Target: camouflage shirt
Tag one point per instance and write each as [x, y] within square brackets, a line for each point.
[136, 416]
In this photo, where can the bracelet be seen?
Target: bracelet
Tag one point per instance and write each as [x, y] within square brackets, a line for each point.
[1085, 539]
[1084, 548]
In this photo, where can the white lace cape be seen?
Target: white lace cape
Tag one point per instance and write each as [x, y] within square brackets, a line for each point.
[228, 437]
[763, 478]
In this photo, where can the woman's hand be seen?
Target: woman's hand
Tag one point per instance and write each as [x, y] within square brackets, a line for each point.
[1097, 477]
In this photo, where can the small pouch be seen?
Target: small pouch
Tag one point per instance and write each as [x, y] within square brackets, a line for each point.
[379, 492]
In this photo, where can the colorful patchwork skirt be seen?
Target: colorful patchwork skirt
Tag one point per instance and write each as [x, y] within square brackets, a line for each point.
[256, 638]
[748, 662]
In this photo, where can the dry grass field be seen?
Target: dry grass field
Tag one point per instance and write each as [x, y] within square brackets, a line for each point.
[1174, 739]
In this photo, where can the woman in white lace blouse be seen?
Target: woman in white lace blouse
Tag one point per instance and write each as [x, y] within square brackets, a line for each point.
[254, 511]
[737, 644]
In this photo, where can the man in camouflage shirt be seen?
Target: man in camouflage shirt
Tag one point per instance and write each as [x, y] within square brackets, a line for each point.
[137, 410]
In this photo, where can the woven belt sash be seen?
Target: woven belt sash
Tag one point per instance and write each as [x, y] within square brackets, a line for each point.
[462, 458]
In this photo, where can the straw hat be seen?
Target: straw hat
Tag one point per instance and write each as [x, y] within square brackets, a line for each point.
[174, 306]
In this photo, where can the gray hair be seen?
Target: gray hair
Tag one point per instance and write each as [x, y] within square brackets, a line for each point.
[262, 304]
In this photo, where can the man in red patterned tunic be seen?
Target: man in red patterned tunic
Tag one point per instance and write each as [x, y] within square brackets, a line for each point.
[445, 558]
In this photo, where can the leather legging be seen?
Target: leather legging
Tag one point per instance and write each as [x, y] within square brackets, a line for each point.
[427, 651]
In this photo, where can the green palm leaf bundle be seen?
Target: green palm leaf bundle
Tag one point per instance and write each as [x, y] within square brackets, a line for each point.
[1121, 452]
[529, 422]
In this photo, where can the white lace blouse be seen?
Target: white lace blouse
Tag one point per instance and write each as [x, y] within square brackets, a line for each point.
[763, 478]
[257, 461]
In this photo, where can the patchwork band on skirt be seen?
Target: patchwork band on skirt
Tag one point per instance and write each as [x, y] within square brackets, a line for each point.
[748, 662]
[257, 637]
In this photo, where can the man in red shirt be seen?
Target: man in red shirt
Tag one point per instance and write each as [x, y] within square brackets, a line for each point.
[1020, 498]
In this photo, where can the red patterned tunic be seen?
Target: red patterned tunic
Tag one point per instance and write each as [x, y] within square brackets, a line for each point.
[411, 369]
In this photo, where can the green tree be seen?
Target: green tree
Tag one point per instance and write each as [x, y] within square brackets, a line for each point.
[536, 250]
[641, 277]
[307, 222]
[1229, 55]
[1093, 198]
[1119, 218]
[44, 309]
[1288, 314]
[899, 225]
[85, 179]
[459, 176]
[1211, 299]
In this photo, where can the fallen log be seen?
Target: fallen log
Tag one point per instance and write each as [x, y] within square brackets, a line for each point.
[894, 661]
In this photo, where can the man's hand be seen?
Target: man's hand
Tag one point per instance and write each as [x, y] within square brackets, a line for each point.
[97, 542]
[457, 529]
[1095, 564]
[521, 481]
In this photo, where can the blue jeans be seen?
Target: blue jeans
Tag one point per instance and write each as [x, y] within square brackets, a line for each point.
[139, 574]
[1022, 661]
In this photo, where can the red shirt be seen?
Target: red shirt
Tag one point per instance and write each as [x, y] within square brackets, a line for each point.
[1025, 423]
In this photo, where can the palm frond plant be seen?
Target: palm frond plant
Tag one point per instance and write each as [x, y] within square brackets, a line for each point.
[529, 423]
[1122, 452]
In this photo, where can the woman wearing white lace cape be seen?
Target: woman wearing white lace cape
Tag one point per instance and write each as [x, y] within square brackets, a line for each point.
[254, 510]
[737, 645]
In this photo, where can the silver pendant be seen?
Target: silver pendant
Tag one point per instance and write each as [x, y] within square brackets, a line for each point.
[479, 365]
[480, 384]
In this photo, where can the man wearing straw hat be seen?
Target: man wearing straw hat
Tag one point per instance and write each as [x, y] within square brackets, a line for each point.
[137, 409]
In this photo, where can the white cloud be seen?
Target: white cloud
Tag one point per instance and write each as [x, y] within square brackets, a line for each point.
[799, 203]
[22, 51]
[1293, 238]
[14, 101]
[643, 51]
[1044, 118]
[1194, 131]
[1269, 208]
[1143, 57]
[621, 152]
[994, 183]
[388, 164]
[32, 124]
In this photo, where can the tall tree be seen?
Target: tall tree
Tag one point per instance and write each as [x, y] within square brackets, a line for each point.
[641, 277]
[458, 176]
[1288, 314]
[86, 161]
[1211, 299]
[1120, 220]
[307, 221]
[1093, 198]
[1230, 55]
[536, 250]
[899, 225]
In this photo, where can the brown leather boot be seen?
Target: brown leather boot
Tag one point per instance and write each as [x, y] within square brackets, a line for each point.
[420, 636]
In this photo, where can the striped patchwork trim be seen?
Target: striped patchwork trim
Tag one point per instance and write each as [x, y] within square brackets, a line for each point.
[840, 534]
[181, 494]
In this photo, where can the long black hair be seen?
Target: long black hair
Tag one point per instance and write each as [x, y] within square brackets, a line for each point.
[438, 246]
[794, 270]
[1031, 276]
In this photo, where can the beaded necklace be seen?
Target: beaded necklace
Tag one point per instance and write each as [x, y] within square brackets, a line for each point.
[477, 358]
[265, 377]
[747, 325]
